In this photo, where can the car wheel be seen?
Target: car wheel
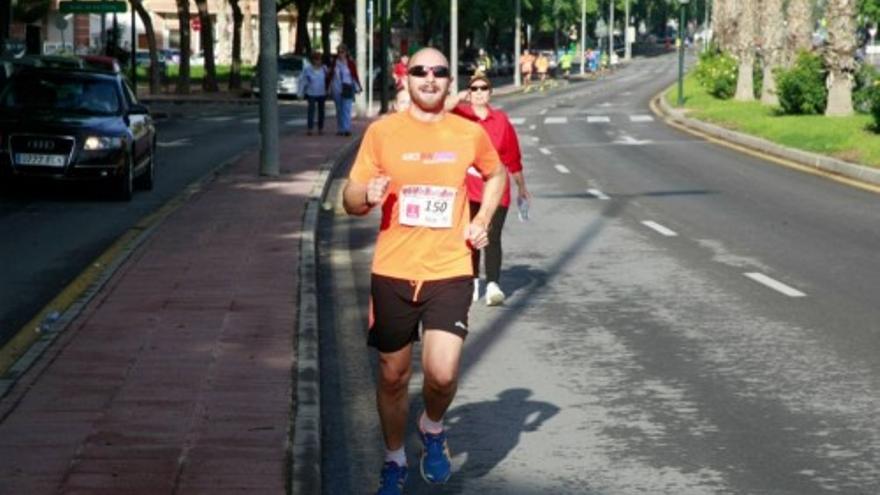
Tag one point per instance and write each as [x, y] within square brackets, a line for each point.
[123, 187]
[147, 179]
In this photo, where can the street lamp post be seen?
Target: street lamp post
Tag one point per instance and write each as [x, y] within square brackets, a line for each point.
[681, 28]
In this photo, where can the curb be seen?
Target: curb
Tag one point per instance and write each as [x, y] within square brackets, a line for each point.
[305, 469]
[812, 161]
[54, 323]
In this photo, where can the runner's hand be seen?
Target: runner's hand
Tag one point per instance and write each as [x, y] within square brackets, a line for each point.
[477, 234]
[376, 189]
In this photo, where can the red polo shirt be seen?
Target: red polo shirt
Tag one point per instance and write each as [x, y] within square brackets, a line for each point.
[503, 137]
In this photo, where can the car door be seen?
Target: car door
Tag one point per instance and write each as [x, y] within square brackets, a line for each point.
[140, 125]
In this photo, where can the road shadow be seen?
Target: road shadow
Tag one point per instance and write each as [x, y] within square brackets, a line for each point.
[486, 432]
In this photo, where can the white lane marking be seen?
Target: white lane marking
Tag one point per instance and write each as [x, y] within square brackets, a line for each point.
[631, 141]
[562, 169]
[659, 228]
[597, 119]
[774, 284]
[533, 127]
[174, 144]
[296, 122]
[517, 120]
[543, 111]
[598, 194]
[641, 118]
[545, 151]
[255, 120]
[556, 120]
[221, 118]
[606, 104]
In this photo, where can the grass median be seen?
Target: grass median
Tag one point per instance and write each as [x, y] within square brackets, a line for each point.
[848, 138]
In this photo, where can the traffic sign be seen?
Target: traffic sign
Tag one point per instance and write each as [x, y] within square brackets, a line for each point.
[196, 23]
[91, 7]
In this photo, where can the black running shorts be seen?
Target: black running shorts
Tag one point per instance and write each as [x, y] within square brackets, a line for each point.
[398, 306]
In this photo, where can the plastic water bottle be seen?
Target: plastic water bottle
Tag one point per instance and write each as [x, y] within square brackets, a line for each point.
[522, 208]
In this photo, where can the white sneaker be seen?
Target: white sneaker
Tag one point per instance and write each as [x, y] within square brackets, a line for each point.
[476, 290]
[494, 296]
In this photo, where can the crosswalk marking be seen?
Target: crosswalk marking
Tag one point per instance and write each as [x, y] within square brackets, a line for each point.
[641, 118]
[556, 120]
[598, 119]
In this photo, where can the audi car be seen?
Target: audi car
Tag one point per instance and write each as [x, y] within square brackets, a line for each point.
[76, 125]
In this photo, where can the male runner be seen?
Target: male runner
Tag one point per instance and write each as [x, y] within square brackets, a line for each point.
[414, 165]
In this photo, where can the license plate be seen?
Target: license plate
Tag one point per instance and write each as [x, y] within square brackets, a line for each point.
[42, 160]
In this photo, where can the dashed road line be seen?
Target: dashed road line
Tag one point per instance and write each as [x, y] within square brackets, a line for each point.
[774, 284]
[543, 111]
[533, 127]
[562, 169]
[556, 120]
[660, 229]
[598, 119]
[641, 118]
[220, 118]
[545, 151]
[598, 194]
[517, 120]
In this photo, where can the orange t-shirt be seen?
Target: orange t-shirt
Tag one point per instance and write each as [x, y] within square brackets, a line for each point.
[425, 213]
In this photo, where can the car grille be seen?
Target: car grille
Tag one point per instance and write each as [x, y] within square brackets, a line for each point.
[42, 145]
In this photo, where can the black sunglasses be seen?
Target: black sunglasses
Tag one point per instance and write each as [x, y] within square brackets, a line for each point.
[479, 88]
[439, 71]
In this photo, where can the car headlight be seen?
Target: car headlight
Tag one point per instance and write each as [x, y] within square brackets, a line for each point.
[102, 143]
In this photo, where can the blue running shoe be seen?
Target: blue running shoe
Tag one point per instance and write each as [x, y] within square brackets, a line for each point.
[392, 479]
[435, 463]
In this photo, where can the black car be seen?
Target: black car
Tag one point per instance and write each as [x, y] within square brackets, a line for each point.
[72, 124]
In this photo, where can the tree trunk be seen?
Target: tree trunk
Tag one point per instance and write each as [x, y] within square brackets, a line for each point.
[773, 27]
[303, 43]
[206, 35]
[235, 68]
[349, 36]
[326, 26]
[839, 56]
[155, 81]
[745, 50]
[183, 26]
[724, 24]
[248, 49]
[800, 29]
[222, 50]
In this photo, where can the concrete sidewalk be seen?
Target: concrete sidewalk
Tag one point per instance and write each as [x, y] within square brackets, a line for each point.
[178, 377]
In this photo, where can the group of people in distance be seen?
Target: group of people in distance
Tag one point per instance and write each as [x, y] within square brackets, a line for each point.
[438, 170]
[338, 79]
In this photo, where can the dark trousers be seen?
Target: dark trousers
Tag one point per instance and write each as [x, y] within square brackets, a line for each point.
[319, 102]
[493, 250]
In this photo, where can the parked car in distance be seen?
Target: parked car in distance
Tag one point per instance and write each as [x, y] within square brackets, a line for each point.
[76, 125]
[100, 62]
[142, 58]
[290, 68]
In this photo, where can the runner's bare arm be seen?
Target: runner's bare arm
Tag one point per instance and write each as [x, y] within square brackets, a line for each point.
[492, 192]
[358, 199]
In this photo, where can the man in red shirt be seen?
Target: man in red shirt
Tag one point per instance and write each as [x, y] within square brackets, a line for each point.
[400, 73]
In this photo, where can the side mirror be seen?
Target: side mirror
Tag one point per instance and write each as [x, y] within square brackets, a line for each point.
[138, 109]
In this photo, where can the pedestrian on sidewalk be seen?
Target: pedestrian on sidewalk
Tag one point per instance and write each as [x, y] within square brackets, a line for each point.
[476, 108]
[526, 64]
[413, 165]
[343, 83]
[313, 86]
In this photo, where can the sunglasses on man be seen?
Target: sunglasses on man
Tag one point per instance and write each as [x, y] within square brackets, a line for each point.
[439, 71]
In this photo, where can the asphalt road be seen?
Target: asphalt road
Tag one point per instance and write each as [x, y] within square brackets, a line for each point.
[52, 232]
[682, 319]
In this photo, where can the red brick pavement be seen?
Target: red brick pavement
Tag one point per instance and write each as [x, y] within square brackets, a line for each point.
[177, 378]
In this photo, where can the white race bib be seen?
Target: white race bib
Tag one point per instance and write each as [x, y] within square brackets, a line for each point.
[426, 206]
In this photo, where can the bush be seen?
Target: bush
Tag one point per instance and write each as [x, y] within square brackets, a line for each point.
[802, 88]
[865, 88]
[716, 72]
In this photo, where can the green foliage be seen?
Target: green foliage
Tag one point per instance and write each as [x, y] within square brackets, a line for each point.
[716, 72]
[865, 88]
[802, 88]
[758, 77]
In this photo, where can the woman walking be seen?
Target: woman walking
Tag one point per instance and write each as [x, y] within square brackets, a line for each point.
[313, 86]
[343, 83]
[503, 136]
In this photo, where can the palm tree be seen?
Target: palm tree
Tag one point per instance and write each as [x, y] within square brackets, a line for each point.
[800, 29]
[773, 28]
[745, 49]
[841, 17]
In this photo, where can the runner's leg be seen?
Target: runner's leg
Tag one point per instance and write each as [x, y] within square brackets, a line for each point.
[441, 354]
[493, 249]
[392, 395]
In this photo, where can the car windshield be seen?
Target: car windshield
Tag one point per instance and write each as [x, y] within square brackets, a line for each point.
[290, 64]
[60, 93]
